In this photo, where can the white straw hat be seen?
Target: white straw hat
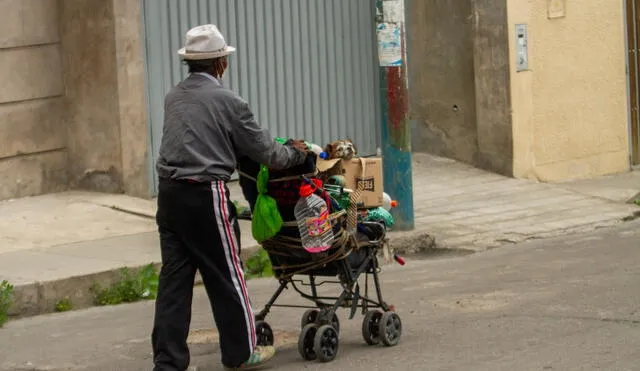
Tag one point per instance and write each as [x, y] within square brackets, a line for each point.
[205, 42]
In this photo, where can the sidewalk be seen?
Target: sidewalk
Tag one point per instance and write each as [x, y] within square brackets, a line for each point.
[58, 245]
[468, 208]
[55, 246]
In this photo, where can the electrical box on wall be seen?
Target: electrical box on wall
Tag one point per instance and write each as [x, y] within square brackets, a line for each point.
[556, 9]
[522, 48]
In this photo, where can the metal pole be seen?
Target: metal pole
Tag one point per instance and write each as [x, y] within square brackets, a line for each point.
[396, 127]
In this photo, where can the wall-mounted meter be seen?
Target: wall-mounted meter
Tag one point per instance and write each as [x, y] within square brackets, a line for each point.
[522, 48]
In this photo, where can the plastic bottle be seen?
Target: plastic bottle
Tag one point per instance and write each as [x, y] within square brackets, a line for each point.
[387, 202]
[311, 146]
[314, 224]
[317, 150]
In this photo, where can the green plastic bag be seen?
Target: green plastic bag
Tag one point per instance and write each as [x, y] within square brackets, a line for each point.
[266, 221]
[380, 215]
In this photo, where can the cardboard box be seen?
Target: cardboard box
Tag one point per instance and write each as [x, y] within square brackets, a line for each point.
[352, 170]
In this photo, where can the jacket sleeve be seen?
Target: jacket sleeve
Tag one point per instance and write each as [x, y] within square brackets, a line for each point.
[255, 142]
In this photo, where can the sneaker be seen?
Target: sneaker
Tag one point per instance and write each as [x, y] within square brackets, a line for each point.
[260, 355]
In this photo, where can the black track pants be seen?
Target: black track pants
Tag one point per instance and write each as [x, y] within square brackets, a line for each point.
[199, 231]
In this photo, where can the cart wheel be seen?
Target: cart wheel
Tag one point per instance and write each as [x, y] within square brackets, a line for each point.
[305, 342]
[308, 317]
[326, 343]
[390, 328]
[264, 334]
[335, 322]
[370, 327]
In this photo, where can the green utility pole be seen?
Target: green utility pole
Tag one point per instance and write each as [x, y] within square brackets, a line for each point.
[396, 128]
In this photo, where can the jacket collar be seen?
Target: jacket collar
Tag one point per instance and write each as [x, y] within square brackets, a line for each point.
[207, 76]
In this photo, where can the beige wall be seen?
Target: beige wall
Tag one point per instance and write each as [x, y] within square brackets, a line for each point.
[32, 120]
[570, 108]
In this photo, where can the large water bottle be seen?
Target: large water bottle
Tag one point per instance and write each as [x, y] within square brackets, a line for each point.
[314, 223]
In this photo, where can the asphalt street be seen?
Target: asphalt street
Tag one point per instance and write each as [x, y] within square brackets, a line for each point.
[567, 303]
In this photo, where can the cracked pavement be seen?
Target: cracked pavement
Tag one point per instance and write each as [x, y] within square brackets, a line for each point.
[565, 303]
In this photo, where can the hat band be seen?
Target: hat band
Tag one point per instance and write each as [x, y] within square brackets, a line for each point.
[207, 52]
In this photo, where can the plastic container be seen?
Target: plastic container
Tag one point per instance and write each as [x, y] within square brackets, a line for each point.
[314, 223]
[387, 202]
[317, 150]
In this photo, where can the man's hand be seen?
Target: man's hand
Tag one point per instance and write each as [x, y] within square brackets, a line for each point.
[299, 145]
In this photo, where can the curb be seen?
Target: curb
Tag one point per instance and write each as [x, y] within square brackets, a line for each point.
[39, 298]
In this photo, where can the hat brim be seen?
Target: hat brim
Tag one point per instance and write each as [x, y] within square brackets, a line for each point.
[184, 54]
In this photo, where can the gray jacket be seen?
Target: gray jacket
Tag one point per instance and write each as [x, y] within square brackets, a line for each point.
[207, 128]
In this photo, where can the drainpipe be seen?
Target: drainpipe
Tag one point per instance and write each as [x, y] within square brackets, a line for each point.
[396, 127]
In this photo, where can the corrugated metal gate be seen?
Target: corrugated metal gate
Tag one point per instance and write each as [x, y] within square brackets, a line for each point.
[307, 67]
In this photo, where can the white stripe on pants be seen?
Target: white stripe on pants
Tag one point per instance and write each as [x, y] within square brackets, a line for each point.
[231, 251]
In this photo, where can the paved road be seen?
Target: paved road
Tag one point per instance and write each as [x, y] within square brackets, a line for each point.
[563, 304]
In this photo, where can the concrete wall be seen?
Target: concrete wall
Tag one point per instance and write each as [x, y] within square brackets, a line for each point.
[72, 100]
[103, 73]
[441, 77]
[132, 103]
[458, 81]
[570, 108]
[88, 49]
[33, 153]
[493, 105]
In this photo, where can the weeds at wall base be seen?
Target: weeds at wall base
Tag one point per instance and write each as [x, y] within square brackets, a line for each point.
[258, 265]
[6, 300]
[64, 305]
[130, 288]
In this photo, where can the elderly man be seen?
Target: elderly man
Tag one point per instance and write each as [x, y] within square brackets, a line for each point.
[207, 128]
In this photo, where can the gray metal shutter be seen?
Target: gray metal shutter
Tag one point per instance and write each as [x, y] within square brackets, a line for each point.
[307, 67]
